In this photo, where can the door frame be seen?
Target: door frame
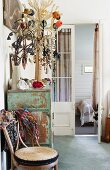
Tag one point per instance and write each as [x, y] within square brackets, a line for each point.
[71, 128]
[100, 92]
[100, 108]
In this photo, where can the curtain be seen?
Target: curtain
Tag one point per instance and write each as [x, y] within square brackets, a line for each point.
[62, 79]
[95, 68]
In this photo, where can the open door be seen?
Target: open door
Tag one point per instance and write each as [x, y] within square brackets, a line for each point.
[63, 86]
[100, 109]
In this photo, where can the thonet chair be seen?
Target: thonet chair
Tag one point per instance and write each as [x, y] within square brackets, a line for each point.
[28, 158]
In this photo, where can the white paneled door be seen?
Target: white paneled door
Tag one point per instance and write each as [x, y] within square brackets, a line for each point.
[63, 83]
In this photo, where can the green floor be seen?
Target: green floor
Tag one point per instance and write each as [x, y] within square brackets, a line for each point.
[82, 153]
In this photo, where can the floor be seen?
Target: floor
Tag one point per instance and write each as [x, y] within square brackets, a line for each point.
[87, 128]
[82, 153]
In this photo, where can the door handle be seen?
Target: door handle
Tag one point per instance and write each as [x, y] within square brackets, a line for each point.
[53, 115]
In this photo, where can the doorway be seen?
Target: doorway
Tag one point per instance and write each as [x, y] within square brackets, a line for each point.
[84, 63]
[63, 115]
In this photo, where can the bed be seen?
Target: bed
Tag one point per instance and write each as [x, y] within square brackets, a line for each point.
[86, 112]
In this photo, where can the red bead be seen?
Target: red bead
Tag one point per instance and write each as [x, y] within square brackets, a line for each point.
[58, 23]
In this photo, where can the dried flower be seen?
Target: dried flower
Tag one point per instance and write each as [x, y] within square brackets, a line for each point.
[37, 84]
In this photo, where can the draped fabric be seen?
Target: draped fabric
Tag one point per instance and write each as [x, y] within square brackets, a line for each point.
[95, 68]
[62, 77]
[28, 125]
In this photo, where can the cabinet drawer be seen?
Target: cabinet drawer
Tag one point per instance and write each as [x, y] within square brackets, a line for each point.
[31, 100]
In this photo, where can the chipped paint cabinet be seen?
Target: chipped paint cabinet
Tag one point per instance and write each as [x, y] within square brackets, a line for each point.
[39, 103]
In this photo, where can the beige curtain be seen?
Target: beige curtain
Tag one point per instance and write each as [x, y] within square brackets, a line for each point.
[95, 68]
[62, 78]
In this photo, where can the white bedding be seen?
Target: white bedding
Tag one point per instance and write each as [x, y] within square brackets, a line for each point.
[86, 112]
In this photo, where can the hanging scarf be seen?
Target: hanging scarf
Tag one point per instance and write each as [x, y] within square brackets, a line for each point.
[28, 126]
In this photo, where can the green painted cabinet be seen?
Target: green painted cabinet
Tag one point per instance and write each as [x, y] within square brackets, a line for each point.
[38, 102]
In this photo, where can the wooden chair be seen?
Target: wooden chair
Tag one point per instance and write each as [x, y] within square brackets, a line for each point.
[29, 158]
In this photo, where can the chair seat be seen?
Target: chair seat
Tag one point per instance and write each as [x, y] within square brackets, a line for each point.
[36, 156]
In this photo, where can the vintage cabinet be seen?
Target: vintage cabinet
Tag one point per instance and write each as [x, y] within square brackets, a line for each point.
[39, 103]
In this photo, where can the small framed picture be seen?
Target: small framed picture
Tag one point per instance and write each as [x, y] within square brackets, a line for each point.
[88, 69]
[11, 12]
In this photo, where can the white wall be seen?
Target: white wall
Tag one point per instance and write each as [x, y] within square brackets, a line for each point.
[84, 47]
[1, 67]
[4, 58]
[91, 11]
[1, 60]
[74, 11]
[4, 70]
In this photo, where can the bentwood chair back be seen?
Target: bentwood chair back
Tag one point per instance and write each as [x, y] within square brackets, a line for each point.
[28, 158]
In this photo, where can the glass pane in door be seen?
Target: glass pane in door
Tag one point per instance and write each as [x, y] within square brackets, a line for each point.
[63, 66]
[64, 40]
[62, 78]
[62, 89]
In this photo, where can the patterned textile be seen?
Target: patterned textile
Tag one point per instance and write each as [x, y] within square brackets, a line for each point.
[12, 131]
[28, 125]
[6, 117]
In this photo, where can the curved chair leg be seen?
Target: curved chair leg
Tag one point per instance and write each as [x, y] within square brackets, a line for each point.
[56, 167]
[12, 165]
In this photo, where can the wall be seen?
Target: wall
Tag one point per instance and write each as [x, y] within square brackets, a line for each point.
[4, 69]
[2, 73]
[75, 11]
[91, 11]
[1, 60]
[84, 43]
